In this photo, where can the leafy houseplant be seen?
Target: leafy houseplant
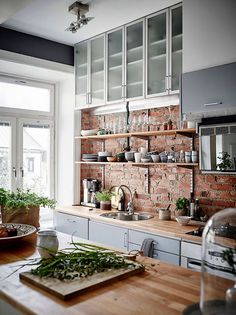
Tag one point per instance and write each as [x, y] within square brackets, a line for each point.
[225, 162]
[181, 206]
[22, 206]
[104, 196]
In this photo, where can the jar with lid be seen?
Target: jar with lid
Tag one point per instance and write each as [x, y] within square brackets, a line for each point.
[218, 286]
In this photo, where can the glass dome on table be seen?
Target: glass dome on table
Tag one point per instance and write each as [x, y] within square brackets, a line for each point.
[218, 286]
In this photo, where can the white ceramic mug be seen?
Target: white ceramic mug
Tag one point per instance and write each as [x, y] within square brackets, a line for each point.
[137, 157]
[47, 243]
[143, 151]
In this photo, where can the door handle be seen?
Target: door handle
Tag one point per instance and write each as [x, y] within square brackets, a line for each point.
[22, 171]
[14, 171]
[167, 83]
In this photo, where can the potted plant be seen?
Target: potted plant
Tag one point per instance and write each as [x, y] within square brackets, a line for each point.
[22, 206]
[170, 124]
[181, 206]
[225, 162]
[104, 197]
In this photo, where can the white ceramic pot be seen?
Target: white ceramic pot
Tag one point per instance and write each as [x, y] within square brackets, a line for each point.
[47, 243]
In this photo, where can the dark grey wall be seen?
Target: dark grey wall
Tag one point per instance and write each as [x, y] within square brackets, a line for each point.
[34, 46]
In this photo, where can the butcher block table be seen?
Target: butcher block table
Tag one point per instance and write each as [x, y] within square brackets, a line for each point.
[161, 289]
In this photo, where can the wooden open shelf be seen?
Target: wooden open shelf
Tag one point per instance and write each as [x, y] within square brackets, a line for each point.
[187, 165]
[185, 132]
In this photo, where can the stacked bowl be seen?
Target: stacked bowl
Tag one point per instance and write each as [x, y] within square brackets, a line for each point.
[87, 157]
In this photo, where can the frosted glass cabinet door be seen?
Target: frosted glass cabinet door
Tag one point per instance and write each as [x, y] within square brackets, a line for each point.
[97, 94]
[134, 60]
[115, 88]
[176, 47]
[157, 54]
[81, 71]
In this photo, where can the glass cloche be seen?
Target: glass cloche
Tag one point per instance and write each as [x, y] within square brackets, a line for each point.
[218, 286]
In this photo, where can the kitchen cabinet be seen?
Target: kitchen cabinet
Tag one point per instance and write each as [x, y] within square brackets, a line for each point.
[125, 62]
[109, 235]
[209, 92]
[165, 249]
[191, 255]
[164, 51]
[90, 72]
[70, 224]
[139, 60]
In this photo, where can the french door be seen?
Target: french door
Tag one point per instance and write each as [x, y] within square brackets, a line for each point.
[26, 155]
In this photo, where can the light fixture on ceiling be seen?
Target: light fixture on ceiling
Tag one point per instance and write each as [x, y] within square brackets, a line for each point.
[78, 9]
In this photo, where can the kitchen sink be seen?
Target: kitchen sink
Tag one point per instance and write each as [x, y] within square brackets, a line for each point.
[124, 216]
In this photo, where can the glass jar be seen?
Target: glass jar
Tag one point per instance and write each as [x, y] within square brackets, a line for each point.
[47, 243]
[218, 289]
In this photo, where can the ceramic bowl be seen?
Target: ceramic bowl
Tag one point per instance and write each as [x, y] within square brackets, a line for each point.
[111, 158]
[155, 158]
[90, 132]
[129, 156]
[104, 153]
[183, 220]
[144, 160]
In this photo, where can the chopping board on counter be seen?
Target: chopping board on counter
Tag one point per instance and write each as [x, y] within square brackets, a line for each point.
[66, 289]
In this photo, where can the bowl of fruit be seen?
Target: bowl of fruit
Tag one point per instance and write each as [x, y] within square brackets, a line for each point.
[13, 232]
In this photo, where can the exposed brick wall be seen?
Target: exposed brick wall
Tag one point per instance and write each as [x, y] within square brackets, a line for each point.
[167, 183]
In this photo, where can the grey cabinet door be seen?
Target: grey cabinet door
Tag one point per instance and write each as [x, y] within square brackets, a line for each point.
[209, 90]
[71, 224]
[161, 243]
[108, 235]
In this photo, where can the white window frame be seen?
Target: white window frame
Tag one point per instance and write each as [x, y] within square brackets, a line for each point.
[19, 116]
[31, 83]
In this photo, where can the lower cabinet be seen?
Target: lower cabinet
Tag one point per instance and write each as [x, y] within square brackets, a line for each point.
[165, 249]
[108, 234]
[70, 224]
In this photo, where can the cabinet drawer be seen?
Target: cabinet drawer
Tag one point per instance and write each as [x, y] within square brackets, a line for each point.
[162, 243]
[71, 224]
[163, 256]
[191, 250]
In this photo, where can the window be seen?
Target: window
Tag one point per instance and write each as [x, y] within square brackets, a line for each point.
[27, 141]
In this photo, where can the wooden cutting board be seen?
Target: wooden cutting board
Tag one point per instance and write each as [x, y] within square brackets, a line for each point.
[68, 288]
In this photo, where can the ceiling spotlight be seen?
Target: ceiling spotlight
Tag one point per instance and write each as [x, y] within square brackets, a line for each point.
[78, 9]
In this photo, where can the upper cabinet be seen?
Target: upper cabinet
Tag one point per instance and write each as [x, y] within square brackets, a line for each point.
[90, 72]
[140, 60]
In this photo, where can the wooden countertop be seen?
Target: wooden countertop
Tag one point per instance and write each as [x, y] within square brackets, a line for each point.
[169, 228]
[162, 289]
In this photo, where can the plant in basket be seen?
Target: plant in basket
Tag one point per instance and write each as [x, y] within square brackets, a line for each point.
[22, 206]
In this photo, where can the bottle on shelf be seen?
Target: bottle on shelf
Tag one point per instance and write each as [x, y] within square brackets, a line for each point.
[192, 206]
[184, 122]
[197, 210]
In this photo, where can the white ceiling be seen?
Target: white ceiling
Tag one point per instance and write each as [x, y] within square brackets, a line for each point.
[50, 18]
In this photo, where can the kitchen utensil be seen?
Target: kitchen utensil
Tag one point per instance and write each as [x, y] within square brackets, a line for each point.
[183, 220]
[47, 243]
[164, 214]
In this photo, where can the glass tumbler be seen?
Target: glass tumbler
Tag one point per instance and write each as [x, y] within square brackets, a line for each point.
[47, 243]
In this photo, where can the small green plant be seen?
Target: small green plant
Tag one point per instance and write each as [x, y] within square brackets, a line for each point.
[225, 161]
[181, 203]
[23, 199]
[228, 256]
[104, 195]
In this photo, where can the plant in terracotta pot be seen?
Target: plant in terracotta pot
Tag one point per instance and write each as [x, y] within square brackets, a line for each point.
[104, 197]
[22, 206]
[181, 206]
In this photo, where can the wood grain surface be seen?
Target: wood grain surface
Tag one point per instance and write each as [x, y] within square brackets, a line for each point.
[162, 289]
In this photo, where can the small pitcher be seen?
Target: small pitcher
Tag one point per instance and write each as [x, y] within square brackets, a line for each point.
[47, 243]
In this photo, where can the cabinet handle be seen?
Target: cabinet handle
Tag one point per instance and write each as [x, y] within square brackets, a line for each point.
[22, 171]
[71, 221]
[86, 98]
[14, 171]
[125, 239]
[89, 98]
[213, 104]
[123, 91]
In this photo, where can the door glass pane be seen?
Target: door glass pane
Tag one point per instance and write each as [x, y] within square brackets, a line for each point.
[115, 62]
[36, 159]
[97, 70]
[134, 62]
[156, 54]
[81, 72]
[176, 47]
[5, 155]
[21, 96]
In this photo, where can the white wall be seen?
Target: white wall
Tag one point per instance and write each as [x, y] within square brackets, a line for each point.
[209, 33]
[65, 136]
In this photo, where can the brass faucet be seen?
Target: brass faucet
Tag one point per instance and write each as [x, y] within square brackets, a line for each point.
[130, 207]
